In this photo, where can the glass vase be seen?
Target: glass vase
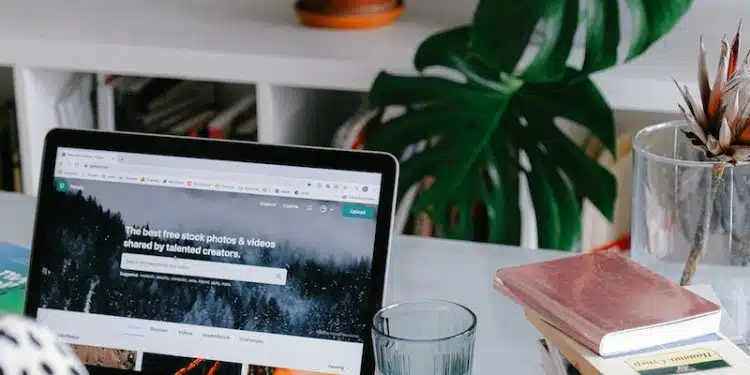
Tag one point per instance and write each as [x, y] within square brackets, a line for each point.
[685, 203]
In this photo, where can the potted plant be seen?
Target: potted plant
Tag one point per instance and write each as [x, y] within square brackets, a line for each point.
[691, 203]
[498, 121]
[348, 14]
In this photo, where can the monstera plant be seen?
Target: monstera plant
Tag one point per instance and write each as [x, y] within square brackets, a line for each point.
[499, 119]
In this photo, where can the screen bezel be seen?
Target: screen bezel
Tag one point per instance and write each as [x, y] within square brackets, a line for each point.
[251, 152]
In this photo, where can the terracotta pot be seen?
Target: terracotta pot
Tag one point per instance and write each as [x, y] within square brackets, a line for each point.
[348, 7]
[348, 14]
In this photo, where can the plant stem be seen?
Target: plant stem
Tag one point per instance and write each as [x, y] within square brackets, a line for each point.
[699, 240]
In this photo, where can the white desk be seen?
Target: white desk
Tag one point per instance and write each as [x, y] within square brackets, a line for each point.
[420, 268]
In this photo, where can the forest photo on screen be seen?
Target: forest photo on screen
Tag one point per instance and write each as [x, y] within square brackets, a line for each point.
[327, 257]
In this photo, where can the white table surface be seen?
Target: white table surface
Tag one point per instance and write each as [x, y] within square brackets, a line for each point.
[419, 268]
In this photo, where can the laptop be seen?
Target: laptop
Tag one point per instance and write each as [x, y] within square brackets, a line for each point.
[170, 255]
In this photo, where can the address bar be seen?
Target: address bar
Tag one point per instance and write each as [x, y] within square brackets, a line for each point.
[185, 173]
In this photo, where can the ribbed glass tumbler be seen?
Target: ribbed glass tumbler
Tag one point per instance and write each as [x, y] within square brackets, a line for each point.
[424, 338]
[687, 206]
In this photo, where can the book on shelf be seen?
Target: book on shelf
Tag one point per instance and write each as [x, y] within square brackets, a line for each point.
[608, 303]
[10, 159]
[222, 125]
[174, 107]
[73, 107]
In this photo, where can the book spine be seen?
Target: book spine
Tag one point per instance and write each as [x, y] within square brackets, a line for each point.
[220, 126]
[15, 151]
[217, 133]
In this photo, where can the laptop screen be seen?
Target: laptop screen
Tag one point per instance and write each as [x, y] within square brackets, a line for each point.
[173, 265]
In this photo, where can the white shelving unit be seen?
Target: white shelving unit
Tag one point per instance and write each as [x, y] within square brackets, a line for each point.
[307, 81]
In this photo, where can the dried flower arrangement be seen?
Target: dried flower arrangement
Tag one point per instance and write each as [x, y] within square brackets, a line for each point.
[719, 125]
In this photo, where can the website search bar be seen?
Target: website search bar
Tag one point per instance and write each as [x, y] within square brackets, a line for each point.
[202, 268]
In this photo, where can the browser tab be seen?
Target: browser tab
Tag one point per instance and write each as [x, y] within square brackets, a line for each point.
[142, 169]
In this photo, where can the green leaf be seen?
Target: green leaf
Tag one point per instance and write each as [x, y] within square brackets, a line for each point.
[426, 163]
[512, 216]
[492, 193]
[439, 120]
[578, 100]
[652, 20]
[449, 49]
[589, 178]
[567, 221]
[550, 62]
[545, 207]
[602, 35]
[568, 210]
[506, 166]
[471, 144]
[389, 89]
[502, 29]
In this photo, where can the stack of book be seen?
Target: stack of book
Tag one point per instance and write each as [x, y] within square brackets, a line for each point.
[601, 313]
[157, 105]
[10, 161]
[174, 106]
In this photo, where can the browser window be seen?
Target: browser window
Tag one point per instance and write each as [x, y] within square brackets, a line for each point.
[168, 262]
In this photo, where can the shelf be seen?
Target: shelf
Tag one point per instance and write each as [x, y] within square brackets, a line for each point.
[307, 80]
[232, 40]
[286, 115]
[262, 41]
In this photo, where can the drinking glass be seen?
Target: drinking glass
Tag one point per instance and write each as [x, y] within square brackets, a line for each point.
[429, 337]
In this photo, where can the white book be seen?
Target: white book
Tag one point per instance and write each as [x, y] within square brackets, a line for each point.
[73, 106]
[105, 99]
[710, 352]
[223, 121]
[551, 364]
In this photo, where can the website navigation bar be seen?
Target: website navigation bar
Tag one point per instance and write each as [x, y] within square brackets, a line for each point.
[101, 167]
[318, 355]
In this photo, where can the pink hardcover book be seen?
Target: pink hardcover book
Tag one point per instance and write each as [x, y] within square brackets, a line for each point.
[609, 303]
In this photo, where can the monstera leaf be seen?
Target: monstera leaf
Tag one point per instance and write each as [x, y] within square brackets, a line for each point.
[498, 122]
